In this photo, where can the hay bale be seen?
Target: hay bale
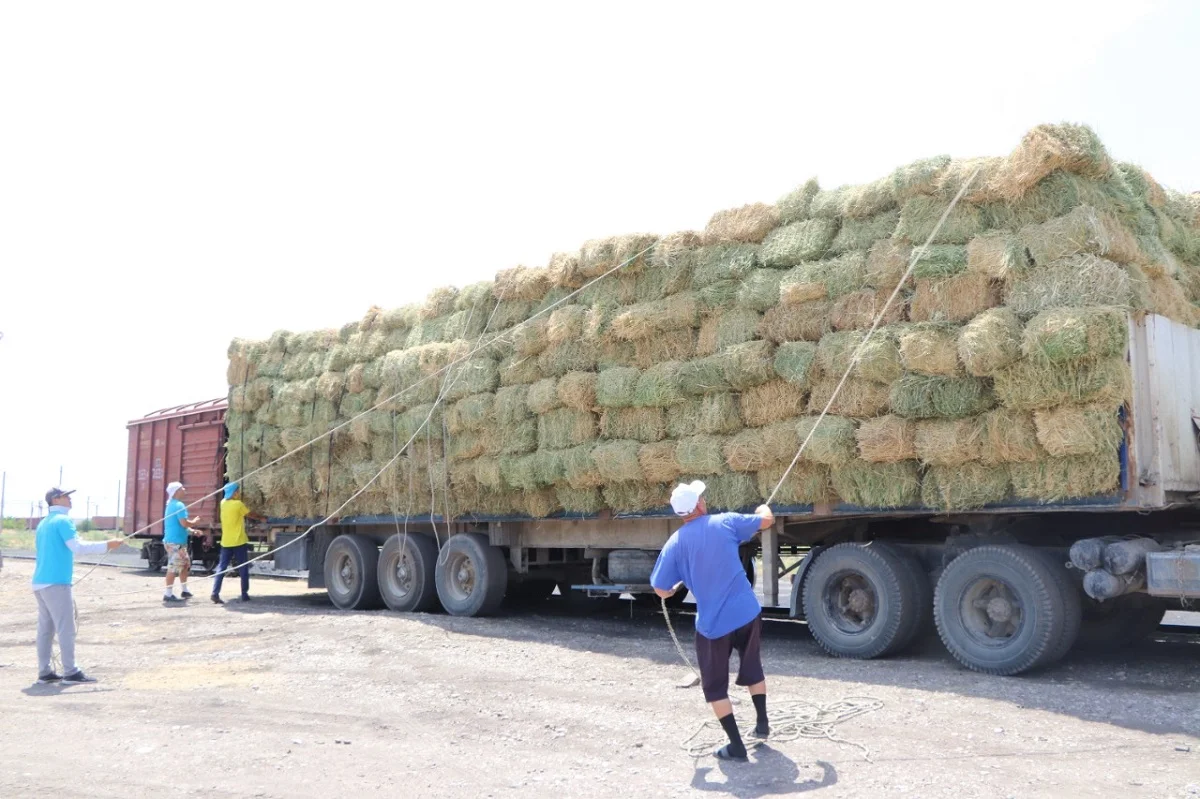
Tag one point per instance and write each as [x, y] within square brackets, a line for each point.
[919, 177]
[1060, 479]
[887, 261]
[716, 296]
[955, 299]
[658, 386]
[541, 504]
[927, 397]
[616, 461]
[723, 262]
[617, 387]
[773, 401]
[798, 242]
[794, 363]
[858, 397]
[542, 396]
[439, 303]
[862, 234]
[548, 466]
[522, 283]
[566, 323]
[1083, 230]
[721, 330]
[949, 442]
[1079, 430]
[682, 418]
[517, 439]
[747, 365]
[796, 204]
[565, 270]
[919, 216]
[878, 485]
[718, 414]
[472, 376]
[640, 424]
[530, 338]
[747, 451]
[675, 249]
[807, 321]
[1009, 437]
[658, 462]
[700, 455]
[1032, 386]
[819, 280]
[878, 358]
[1075, 282]
[1047, 148]
[471, 413]
[568, 356]
[1165, 296]
[580, 469]
[760, 289]
[1145, 187]
[511, 405]
[577, 390]
[930, 348]
[750, 224]
[579, 501]
[510, 313]
[636, 497]
[859, 310]
[1060, 335]
[990, 342]
[939, 261]
[966, 486]
[831, 442]
[703, 375]
[998, 255]
[888, 439]
[675, 345]
[805, 484]
[730, 492]
[651, 318]
[520, 472]
[564, 428]
[516, 370]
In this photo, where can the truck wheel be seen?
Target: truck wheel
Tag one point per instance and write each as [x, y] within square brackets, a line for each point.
[405, 573]
[471, 576]
[859, 601]
[1118, 623]
[920, 619]
[351, 566]
[1071, 593]
[156, 556]
[999, 609]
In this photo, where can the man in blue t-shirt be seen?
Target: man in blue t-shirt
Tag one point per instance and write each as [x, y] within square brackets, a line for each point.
[176, 529]
[703, 555]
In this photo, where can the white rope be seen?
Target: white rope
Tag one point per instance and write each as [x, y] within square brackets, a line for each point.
[791, 720]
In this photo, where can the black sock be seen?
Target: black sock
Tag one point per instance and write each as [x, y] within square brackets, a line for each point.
[736, 747]
[760, 705]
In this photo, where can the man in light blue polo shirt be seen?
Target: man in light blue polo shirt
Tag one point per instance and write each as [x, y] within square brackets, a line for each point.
[703, 555]
[176, 529]
[57, 546]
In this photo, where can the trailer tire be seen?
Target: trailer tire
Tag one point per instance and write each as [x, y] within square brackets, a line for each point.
[156, 556]
[1118, 623]
[405, 573]
[351, 572]
[1071, 591]
[920, 618]
[999, 609]
[471, 576]
[859, 601]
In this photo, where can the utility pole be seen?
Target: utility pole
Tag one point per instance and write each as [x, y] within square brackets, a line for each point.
[3, 488]
[60, 477]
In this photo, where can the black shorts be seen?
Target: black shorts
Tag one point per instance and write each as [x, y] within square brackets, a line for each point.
[712, 655]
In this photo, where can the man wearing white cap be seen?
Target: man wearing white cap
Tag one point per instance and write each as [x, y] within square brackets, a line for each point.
[703, 555]
[176, 527]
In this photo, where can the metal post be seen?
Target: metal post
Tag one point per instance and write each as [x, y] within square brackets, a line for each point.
[770, 564]
[3, 487]
[60, 477]
[118, 514]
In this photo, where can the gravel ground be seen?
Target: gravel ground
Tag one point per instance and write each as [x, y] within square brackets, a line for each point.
[286, 697]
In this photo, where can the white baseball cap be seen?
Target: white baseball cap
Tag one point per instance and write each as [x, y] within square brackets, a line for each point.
[172, 488]
[686, 497]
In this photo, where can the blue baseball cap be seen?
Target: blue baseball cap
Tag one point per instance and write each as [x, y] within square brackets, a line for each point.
[231, 489]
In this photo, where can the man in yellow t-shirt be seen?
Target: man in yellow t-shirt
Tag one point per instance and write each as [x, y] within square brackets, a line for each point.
[235, 545]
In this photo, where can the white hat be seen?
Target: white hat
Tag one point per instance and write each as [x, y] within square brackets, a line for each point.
[686, 496]
[172, 488]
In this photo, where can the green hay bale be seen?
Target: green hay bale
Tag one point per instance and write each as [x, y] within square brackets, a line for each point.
[581, 501]
[727, 329]
[674, 249]
[919, 177]
[808, 321]
[1079, 430]
[577, 390]
[919, 216]
[990, 342]
[517, 439]
[832, 442]
[795, 205]
[716, 414]
[516, 370]
[417, 421]
[805, 484]
[615, 353]
[966, 486]
[568, 356]
[747, 451]
[531, 338]
[720, 295]
[926, 397]
[520, 472]
[658, 462]
[703, 375]
[1076, 282]
[773, 401]
[878, 360]
[794, 362]
[1009, 437]
[930, 348]
[858, 397]
[510, 313]
[612, 291]
[819, 280]
[476, 296]
[636, 497]
[440, 302]
[888, 439]
[471, 413]
[746, 365]
[1033, 386]
[579, 468]
[473, 376]
[640, 424]
[949, 442]
[861, 234]
[798, 242]
[660, 282]
[1060, 335]
[700, 455]
[1047, 148]
[565, 428]
[470, 445]
[731, 492]
[548, 466]
[617, 461]
[682, 418]
[760, 290]
[566, 323]
[724, 262]
[543, 395]
[940, 261]
[521, 283]
[512, 405]
[676, 345]
[617, 387]
[878, 485]
[998, 255]
[647, 319]
[887, 261]
[1083, 230]
[1060, 479]
[830, 203]
[658, 386]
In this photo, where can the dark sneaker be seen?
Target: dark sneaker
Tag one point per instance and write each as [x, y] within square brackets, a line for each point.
[245, 597]
[78, 677]
[727, 752]
[186, 595]
[172, 600]
[217, 600]
[48, 678]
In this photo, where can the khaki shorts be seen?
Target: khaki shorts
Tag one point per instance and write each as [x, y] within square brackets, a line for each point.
[178, 558]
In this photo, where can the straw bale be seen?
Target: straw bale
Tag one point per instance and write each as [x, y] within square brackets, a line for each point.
[747, 451]
[1083, 230]
[565, 270]
[564, 428]
[1060, 335]
[641, 424]
[772, 402]
[1168, 298]
[798, 242]
[1009, 437]
[749, 224]
[794, 363]
[949, 442]
[576, 390]
[919, 177]
[862, 234]
[859, 310]
[796, 204]
[518, 370]
[471, 413]
[954, 299]
[878, 485]
[1079, 430]
[887, 439]
[511, 405]
[676, 249]
[703, 375]
[616, 387]
[878, 359]
[472, 376]
[927, 397]
[1031, 386]
[439, 303]
[517, 439]
[651, 318]
[760, 289]
[1059, 479]
[568, 356]
[718, 414]
[580, 469]
[981, 172]
[580, 501]
[1046, 148]
[702, 455]
[658, 462]
[636, 497]
[805, 484]
[939, 261]
[566, 323]
[616, 461]
[887, 261]
[658, 386]
[858, 397]
[521, 283]
[807, 321]
[990, 342]
[727, 329]
[966, 486]
[831, 442]
[747, 365]
[824, 279]
[920, 214]
[930, 348]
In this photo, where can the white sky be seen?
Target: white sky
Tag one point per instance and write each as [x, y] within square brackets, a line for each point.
[174, 175]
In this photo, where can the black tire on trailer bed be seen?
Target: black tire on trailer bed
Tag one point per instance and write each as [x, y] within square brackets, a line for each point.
[156, 556]
[1071, 591]
[920, 619]
[405, 573]
[471, 576]
[351, 572]
[859, 600]
[999, 609]
[1115, 624]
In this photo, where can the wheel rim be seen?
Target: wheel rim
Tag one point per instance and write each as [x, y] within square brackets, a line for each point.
[400, 574]
[462, 576]
[991, 611]
[345, 574]
[851, 602]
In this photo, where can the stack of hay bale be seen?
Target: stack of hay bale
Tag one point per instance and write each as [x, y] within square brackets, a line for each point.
[998, 374]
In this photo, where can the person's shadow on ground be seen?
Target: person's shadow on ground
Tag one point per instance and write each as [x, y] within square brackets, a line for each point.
[769, 773]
